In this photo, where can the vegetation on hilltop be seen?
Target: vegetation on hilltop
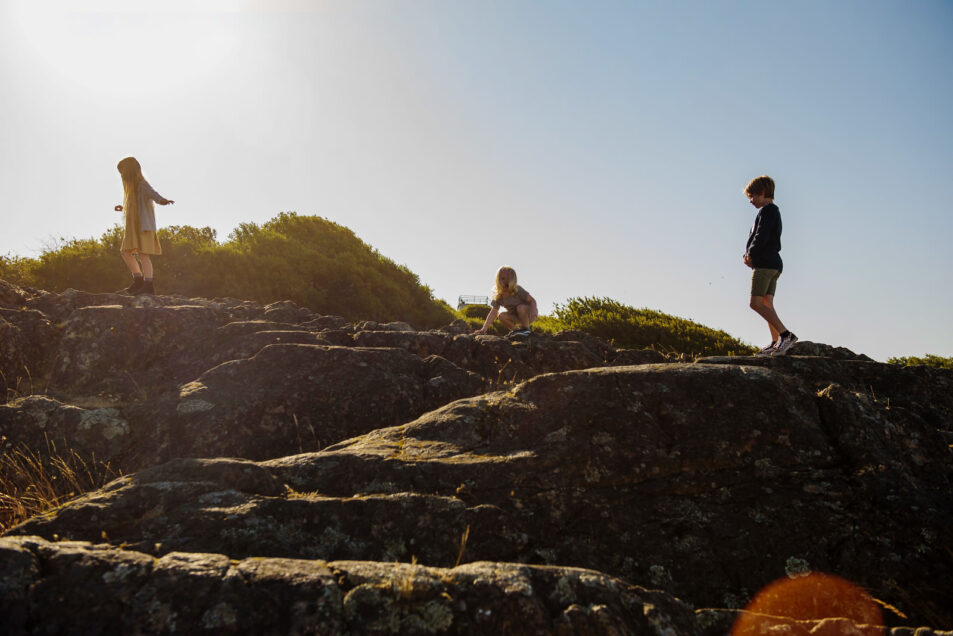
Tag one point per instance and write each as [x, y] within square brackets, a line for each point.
[627, 327]
[309, 260]
[928, 360]
[631, 328]
[323, 266]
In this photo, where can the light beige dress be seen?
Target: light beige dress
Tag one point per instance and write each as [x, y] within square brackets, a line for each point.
[140, 235]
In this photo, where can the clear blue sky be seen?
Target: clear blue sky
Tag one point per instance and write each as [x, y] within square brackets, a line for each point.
[599, 148]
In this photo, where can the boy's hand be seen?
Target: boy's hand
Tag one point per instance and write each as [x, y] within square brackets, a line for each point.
[747, 260]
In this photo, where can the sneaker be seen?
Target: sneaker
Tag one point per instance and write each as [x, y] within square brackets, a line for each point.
[767, 350]
[132, 289]
[519, 332]
[784, 344]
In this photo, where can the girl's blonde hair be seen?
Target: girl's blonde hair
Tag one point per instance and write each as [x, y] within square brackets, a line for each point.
[131, 173]
[500, 291]
[130, 170]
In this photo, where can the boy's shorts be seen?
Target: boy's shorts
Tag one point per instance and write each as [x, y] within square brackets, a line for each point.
[764, 281]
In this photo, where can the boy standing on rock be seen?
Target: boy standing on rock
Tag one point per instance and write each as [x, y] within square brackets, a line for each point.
[762, 254]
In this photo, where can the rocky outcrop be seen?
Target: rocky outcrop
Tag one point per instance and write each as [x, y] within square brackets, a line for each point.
[925, 390]
[109, 591]
[25, 337]
[650, 473]
[11, 296]
[37, 421]
[179, 377]
[291, 398]
[532, 487]
[62, 586]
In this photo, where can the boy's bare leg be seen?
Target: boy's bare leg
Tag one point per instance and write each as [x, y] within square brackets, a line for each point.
[764, 306]
[130, 260]
[775, 333]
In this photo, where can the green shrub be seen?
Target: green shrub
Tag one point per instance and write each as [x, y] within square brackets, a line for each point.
[928, 360]
[496, 329]
[76, 263]
[548, 324]
[631, 328]
[475, 311]
[314, 262]
[15, 269]
[323, 266]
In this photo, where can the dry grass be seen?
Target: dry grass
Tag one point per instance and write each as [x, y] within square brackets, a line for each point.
[404, 584]
[32, 482]
[18, 388]
[503, 381]
[463, 545]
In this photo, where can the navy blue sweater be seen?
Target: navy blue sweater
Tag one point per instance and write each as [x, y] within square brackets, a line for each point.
[764, 241]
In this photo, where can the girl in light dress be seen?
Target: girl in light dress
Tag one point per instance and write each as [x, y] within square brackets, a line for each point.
[139, 242]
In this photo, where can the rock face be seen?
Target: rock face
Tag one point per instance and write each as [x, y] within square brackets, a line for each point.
[200, 378]
[284, 461]
[311, 395]
[49, 584]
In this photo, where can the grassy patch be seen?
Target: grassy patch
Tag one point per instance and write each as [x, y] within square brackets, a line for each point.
[309, 260]
[927, 360]
[631, 328]
[32, 482]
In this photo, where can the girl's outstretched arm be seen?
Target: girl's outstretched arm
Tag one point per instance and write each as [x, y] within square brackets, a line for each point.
[489, 320]
[151, 193]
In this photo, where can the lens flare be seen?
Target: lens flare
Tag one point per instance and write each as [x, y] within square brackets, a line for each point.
[814, 598]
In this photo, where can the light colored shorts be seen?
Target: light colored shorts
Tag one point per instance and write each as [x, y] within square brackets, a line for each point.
[533, 315]
[764, 281]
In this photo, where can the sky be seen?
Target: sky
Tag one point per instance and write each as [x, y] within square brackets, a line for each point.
[599, 148]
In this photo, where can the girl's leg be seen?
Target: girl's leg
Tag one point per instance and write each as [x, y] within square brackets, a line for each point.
[129, 258]
[508, 319]
[146, 265]
[526, 314]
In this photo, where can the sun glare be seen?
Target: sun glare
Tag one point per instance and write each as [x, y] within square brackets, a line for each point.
[812, 598]
[114, 49]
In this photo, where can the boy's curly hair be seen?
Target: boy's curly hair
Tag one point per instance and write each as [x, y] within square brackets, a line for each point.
[763, 185]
